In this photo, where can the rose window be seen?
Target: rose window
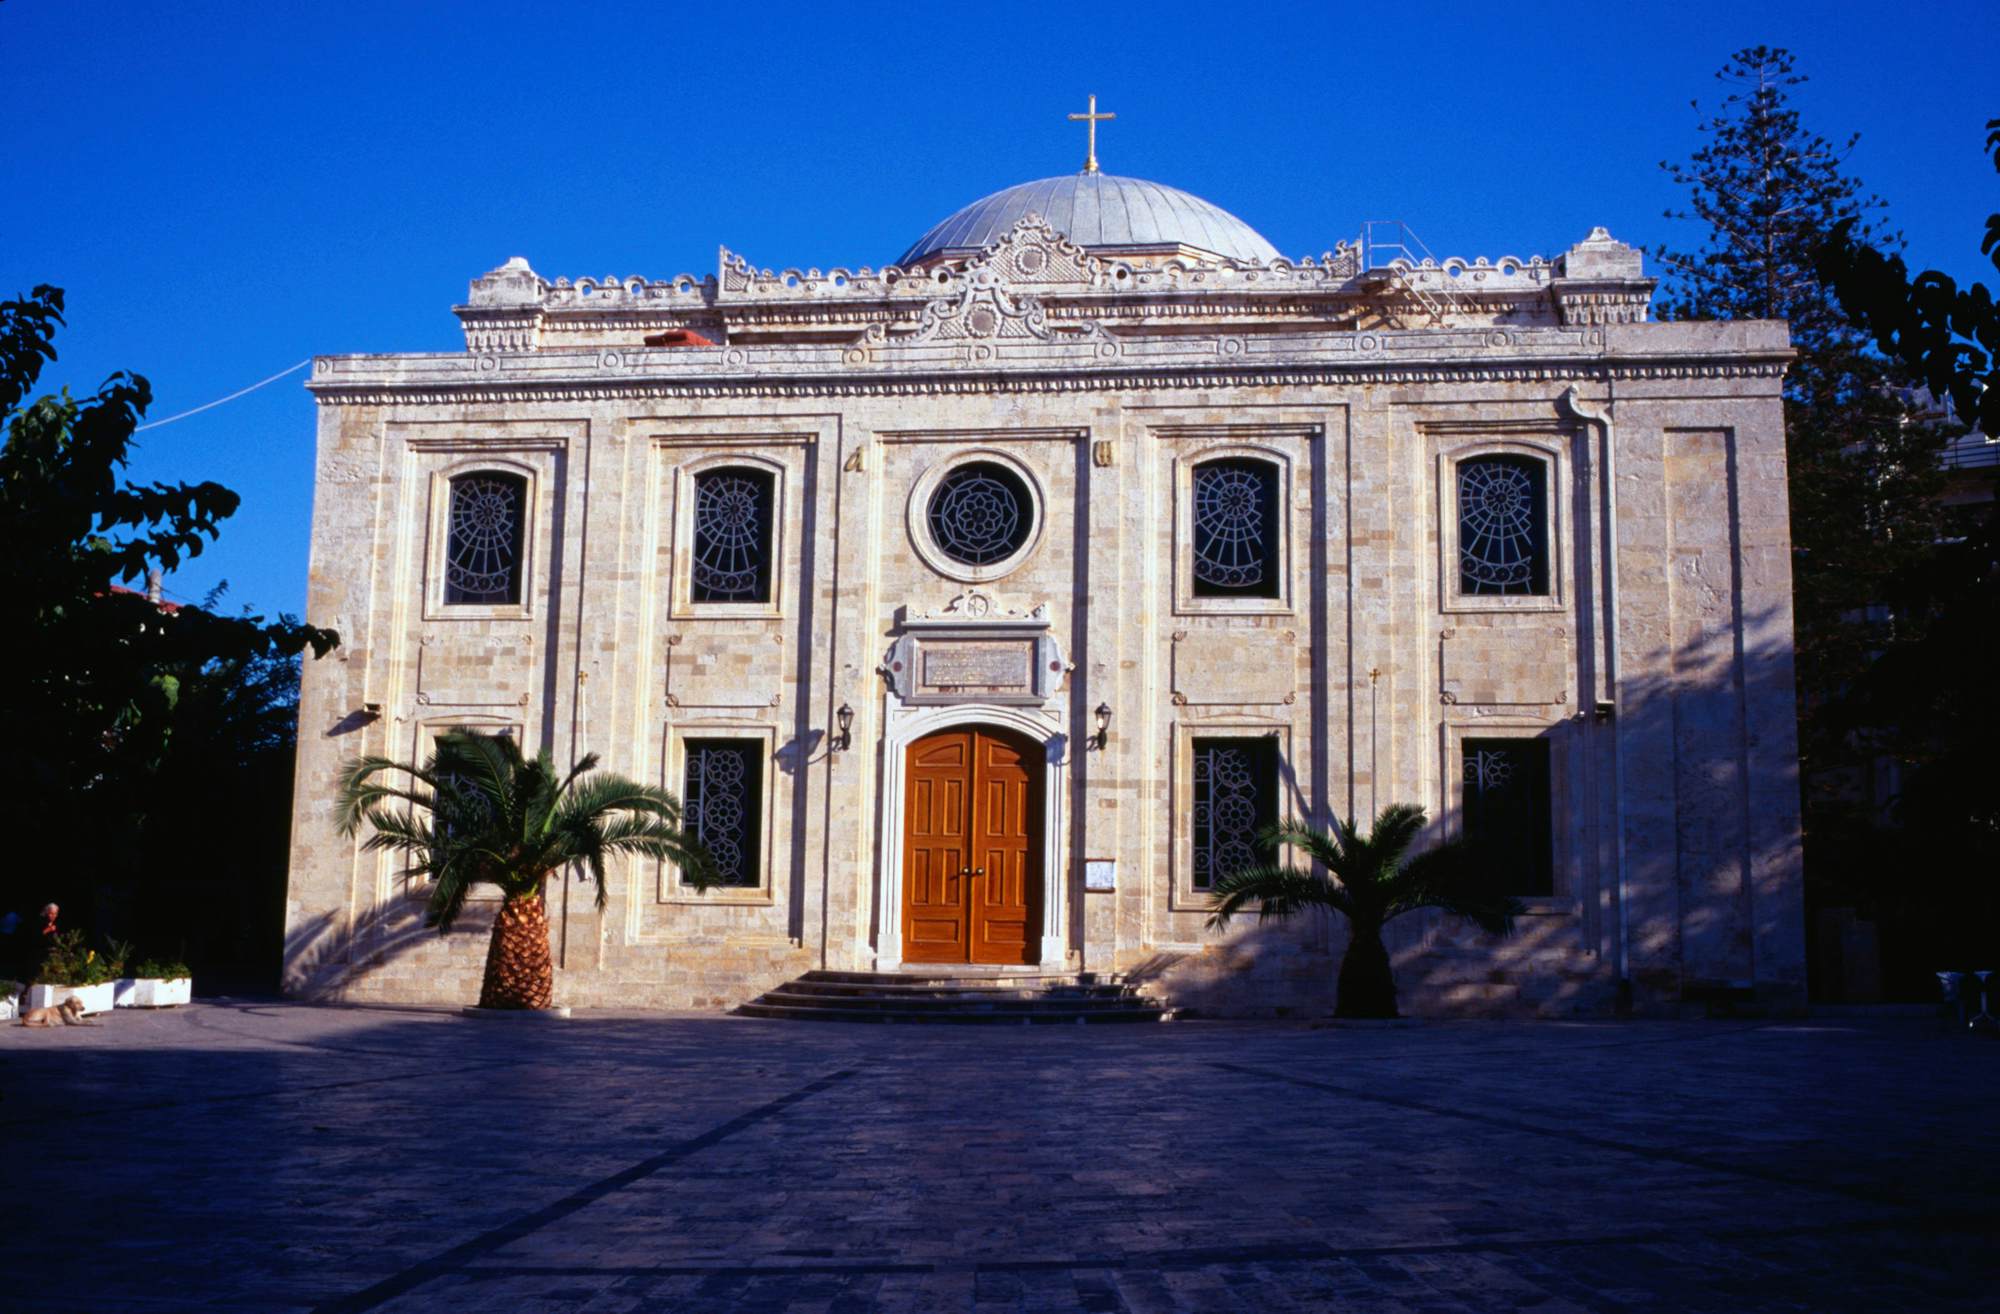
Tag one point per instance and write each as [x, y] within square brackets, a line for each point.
[981, 513]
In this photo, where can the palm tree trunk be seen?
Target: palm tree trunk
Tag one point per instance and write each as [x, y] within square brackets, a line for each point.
[519, 971]
[1367, 985]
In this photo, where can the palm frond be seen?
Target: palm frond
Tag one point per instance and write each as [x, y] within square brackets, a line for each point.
[1456, 878]
[397, 832]
[487, 814]
[358, 787]
[584, 765]
[1278, 892]
[450, 885]
[1396, 828]
[595, 796]
[1323, 847]
[655, 838]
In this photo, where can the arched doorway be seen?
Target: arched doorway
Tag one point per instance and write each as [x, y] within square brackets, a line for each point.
[972, 847]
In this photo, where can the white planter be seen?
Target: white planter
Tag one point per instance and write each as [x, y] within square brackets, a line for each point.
[96, 998]
[10, 1007]
[122, 991]
[161, 992]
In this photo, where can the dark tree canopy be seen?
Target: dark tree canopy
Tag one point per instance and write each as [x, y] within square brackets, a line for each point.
[1926, 702]
[1764, 191]
[1946, 335]
[103, 680]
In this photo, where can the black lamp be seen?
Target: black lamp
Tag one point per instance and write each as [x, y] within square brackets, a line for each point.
[846, 739]
[1103, 734]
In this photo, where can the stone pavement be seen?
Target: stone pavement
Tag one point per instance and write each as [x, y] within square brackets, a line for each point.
[279, 1157]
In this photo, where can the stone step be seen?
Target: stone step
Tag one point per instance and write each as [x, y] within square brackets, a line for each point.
[954, 996]
[1037, 1017]
[993, 1001]
[960, 975]
[1055, 990]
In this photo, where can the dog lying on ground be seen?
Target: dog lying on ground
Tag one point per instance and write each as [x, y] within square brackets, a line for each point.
[69, 1013]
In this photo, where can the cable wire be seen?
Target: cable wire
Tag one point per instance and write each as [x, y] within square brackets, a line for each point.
[244, 392]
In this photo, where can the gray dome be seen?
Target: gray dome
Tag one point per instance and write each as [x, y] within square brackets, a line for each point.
[1098, 209]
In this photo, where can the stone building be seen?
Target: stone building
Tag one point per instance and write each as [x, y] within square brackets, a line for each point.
[984, 606]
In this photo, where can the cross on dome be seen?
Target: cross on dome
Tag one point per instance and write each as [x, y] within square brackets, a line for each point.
[1093, 118]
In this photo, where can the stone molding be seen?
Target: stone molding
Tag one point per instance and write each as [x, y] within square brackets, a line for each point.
[440, 392]
[513, 309]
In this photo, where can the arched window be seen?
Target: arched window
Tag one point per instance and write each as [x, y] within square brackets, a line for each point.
[1236, 530]
[483, 539]
[981, 513]
[1503, 526]
[732, 535]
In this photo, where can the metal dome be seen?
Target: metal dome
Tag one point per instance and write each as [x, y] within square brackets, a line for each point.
[1098, 209]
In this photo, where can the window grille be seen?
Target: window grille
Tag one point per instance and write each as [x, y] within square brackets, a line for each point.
[483, 542]
[1236, 530]
[722, 804]
[1235, 802]
[981, 513]
[732, 536]
[1507, 812]
[1503, 526]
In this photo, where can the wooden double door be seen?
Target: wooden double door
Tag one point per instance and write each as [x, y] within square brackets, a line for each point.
[972, 848]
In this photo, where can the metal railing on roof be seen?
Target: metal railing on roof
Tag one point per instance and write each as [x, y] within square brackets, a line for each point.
[1390, 252]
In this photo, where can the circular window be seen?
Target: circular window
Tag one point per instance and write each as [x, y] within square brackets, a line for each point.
[981, 513]
[976, 520]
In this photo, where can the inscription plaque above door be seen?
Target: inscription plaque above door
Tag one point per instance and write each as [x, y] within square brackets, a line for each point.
[976, 665]
[973, 651]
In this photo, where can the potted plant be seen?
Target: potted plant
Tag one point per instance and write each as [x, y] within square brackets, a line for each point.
[10, 1000]
[72, 969]
[122, 985]
[159, 983]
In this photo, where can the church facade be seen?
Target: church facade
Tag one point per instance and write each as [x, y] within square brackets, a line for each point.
[984, 607]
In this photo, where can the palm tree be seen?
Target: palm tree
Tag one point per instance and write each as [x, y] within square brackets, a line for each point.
[476, 810]
[1371, 879]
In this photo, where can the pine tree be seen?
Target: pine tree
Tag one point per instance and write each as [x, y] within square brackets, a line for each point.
[1863, 466]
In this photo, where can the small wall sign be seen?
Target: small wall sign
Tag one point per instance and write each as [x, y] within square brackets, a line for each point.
[1100, 873]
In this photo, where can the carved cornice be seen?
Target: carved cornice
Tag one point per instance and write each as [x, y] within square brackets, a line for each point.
[961, 383]
[1599, 305]
[514, 310]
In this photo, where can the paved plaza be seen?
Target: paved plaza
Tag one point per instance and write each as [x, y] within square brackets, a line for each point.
[278, 1157]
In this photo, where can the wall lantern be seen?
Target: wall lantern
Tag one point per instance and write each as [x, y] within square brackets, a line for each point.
[845, 739]
[1103, 735]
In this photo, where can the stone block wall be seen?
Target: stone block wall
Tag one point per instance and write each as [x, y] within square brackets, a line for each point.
[1676, 811]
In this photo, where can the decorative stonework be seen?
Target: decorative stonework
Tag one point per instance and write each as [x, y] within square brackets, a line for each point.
[514, 310]
[972, 650]
[983, 310]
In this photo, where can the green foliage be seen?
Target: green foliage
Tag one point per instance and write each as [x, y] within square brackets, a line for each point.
[162, 969]
[476, 811]
[1863, 470]
[117, 954]
[1370, 879]
[1947, 336]
[117, 702]
[68, 961]
[1925, 700]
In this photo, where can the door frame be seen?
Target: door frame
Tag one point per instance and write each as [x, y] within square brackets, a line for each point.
[915, 723]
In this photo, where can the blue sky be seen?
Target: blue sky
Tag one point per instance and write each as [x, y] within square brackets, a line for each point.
[225, 187]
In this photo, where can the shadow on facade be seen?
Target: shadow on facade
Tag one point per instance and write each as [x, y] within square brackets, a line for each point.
[322, 958]
[1712, 870]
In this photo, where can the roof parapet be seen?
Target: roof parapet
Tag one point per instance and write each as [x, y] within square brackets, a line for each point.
[1601, 280]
